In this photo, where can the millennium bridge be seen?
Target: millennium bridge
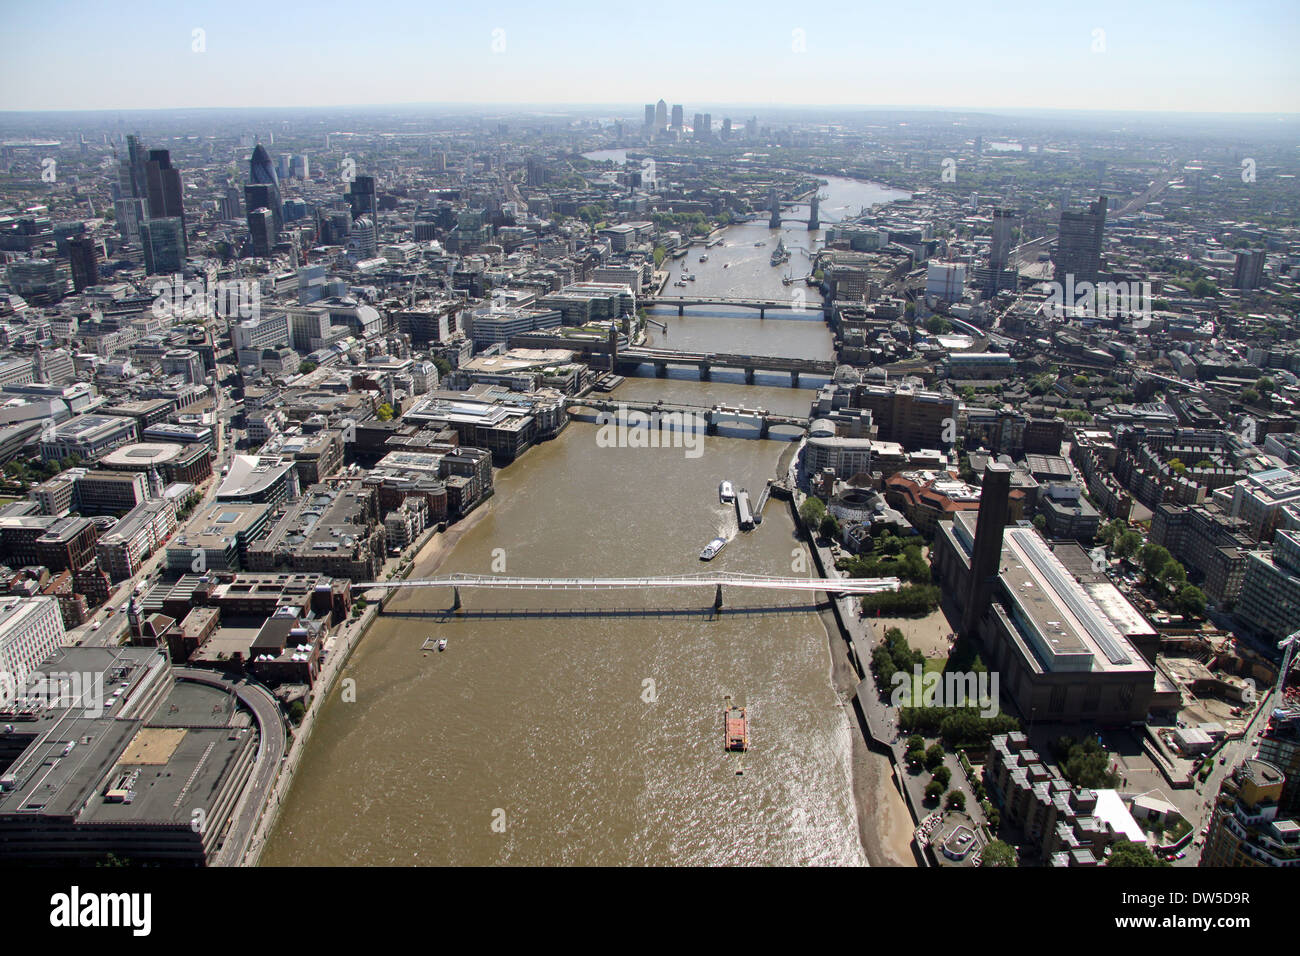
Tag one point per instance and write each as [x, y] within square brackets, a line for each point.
[761, 582]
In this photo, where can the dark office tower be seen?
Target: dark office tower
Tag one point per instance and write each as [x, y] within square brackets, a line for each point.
[163, 191]
[261, 171]
[163, 186]
[708, 126]
[649, 116]
[1000, 249]
[979, 145]
[677, 116]
[726, 129]
[231, 207]
[536, 174]
[661, 116]
[259, 197]
[340, 227]
[262, 232]
[1249, 271]
[85, 262]
[164, 245]
[1078, 249]
[986, 555]
[361, 197]
[131, 178]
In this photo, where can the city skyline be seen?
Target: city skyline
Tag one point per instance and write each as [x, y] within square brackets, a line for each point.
[586, 435]
[1188, 58]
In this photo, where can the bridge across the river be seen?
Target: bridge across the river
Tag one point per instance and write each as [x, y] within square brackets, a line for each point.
[673, 413]
[706, 361]
[716, 581]
[800, 302]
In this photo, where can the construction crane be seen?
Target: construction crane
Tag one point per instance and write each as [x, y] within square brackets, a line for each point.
[1287, 645]
[417, 284]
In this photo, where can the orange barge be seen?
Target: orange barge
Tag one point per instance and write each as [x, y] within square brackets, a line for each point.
[735, 727]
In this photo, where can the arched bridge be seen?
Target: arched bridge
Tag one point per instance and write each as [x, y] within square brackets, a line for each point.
[796, 303]
[676, 414]
[706, 361]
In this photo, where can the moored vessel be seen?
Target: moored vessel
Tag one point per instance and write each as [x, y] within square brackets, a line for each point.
[735, 727]
[744, 513]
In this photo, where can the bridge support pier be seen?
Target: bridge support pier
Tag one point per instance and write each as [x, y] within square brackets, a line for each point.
[711, 428]
[455, 599]
[749, 376]
[762, 427]
[794, 379]
[661, 369]
[681, 310]
[717, 600]
[762, 312]
[705, 371]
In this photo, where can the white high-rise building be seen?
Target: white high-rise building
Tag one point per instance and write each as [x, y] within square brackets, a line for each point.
[362, 243]
[30, 631]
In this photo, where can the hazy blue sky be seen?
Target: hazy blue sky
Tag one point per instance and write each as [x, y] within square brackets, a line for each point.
[1189, 55]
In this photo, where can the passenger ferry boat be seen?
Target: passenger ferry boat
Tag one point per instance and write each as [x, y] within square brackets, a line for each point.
[735, 727]
[726, 494]
[712, 549]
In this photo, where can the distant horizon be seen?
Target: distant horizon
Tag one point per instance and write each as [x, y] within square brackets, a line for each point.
[1160, 56]
[635, 108]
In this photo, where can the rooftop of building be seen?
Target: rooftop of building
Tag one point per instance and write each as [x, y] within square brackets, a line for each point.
[1274, 485]
[142, 454]
[217, 527]
[86, 426]
[1065, 625]
[252, 474]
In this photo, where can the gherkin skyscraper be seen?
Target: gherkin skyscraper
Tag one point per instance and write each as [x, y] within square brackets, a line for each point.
[262, 170]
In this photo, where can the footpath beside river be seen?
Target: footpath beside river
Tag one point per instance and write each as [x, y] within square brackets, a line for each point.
[886, 821]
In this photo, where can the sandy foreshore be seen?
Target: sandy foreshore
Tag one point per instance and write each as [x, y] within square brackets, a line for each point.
[440, 546]
[884, 822]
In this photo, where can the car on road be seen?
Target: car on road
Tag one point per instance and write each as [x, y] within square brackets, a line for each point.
[124, 606]
[97, 625]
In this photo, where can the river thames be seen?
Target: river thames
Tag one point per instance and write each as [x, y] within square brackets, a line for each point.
[540, 738]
